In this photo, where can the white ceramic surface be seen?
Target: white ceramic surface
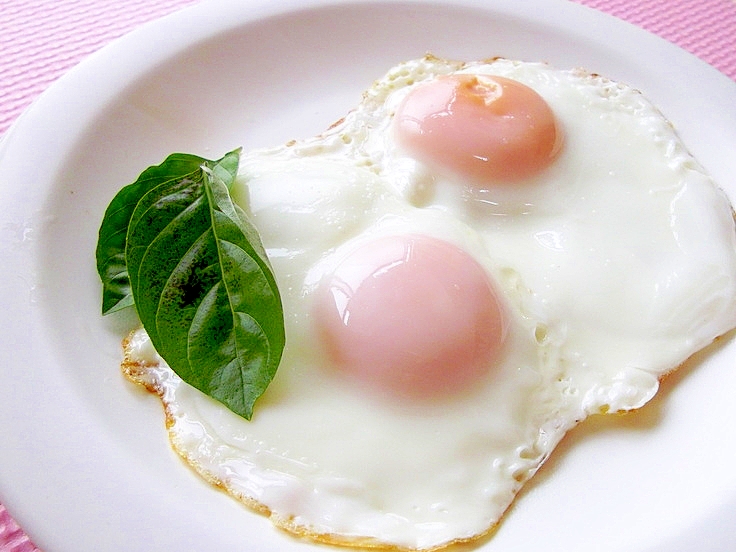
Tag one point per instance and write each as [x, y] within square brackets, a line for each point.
[84, 460]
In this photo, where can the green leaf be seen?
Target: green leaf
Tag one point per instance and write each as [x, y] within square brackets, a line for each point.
[200, 280]
[111, 262]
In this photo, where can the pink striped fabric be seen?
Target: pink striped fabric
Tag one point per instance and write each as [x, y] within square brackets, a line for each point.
[42, 39]
[706, 28]
[12, 537]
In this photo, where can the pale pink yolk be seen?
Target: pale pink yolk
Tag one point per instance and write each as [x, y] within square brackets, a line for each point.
[486, 128]
[411, 315]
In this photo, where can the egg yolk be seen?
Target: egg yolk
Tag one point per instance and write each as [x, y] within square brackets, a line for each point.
[483, 127]
[411, 315]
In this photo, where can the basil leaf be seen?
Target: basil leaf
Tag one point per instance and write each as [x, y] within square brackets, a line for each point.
[199, 278]
[110, 254]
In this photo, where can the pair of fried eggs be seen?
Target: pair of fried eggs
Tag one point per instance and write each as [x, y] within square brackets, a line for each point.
[449, 317]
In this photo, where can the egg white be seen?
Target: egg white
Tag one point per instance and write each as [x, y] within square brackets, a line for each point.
[614, 265]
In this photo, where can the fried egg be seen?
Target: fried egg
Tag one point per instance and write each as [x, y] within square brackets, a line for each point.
[473, 261]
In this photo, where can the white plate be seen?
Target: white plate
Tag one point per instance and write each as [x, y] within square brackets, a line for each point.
[84, 462]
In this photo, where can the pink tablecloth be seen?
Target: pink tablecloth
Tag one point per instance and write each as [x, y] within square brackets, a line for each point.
[42, 39]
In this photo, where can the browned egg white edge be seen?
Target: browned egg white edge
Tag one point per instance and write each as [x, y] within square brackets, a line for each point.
[137, 372]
